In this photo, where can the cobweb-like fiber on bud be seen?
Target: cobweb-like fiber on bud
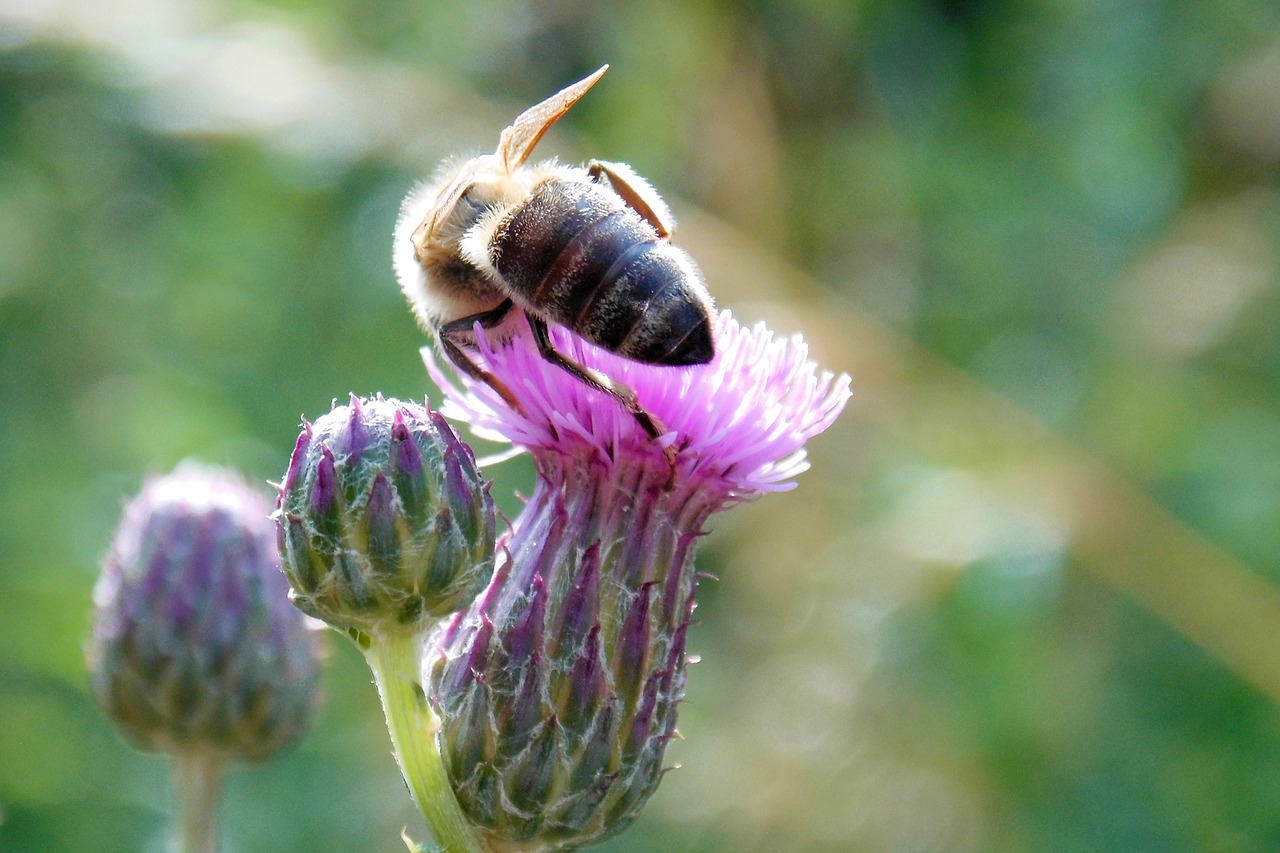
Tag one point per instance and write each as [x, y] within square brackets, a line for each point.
[742, 419]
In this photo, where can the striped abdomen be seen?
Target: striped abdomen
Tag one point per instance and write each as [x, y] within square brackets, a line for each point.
[575, 254]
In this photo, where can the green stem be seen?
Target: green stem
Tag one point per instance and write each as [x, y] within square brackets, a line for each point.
[414, 728]
[197, 778]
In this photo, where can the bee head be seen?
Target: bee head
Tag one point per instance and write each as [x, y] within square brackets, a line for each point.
[428, 210]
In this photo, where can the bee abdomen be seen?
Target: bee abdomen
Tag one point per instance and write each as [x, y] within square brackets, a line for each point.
[576, 255]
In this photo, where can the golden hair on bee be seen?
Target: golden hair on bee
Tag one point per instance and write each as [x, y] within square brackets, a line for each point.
[586, 247]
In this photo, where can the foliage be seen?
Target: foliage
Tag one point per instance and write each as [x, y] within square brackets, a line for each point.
[962, 632]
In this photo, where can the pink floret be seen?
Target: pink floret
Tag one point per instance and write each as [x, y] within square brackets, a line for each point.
[742, 419]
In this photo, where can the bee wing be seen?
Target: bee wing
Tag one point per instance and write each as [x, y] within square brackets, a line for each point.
[517, 141]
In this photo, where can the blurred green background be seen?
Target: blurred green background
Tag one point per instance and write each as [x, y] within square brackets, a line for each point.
[1024, 600]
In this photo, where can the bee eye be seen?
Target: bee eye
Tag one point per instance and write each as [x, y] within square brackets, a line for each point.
[470, 201]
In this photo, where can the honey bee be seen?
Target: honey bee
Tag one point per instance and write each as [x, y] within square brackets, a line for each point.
[588, 248]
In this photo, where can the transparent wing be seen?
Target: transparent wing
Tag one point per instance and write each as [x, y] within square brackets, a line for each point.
[517, 141]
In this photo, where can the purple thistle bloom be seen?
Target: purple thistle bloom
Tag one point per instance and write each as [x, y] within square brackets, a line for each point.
[558, 688]
[740, 422]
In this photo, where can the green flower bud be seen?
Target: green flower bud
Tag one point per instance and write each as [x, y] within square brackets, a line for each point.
[194, 644]
[384, 523]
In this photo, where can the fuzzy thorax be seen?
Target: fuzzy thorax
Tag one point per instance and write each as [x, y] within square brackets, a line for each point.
[447, 272]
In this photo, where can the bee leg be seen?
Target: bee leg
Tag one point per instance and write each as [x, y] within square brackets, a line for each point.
[636, 192]
[624, 395]
[464, 325]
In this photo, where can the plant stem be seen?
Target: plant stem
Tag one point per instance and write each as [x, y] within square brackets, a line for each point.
[197, 779]
[414, 728]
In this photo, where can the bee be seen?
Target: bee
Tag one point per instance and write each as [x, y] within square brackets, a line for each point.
[588, 248]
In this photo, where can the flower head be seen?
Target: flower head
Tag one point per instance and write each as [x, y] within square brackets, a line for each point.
[740, 422]
[384, 522]
[194, 644]
[558, 687]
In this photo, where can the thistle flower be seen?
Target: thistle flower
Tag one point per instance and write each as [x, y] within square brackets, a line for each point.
[384, 526]
[195, 650]
[384, 522]
[194, 644]
[558, 688]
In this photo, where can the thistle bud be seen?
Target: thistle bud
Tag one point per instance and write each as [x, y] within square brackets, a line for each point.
[558, 689]
[194, 644]
[384, 523]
